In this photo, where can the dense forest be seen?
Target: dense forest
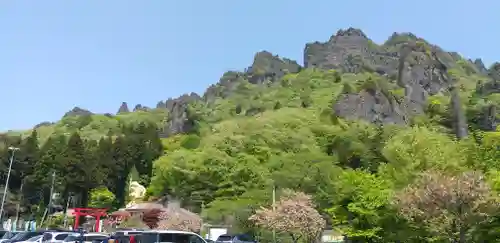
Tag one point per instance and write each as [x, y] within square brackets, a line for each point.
[394, 142]
[75, 166]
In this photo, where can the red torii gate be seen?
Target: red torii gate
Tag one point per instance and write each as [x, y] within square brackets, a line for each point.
[94, 212]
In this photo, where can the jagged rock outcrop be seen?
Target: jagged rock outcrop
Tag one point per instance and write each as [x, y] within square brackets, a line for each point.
[492, 86]
[418, 67]
[179, 119]
[265, 67]
[480, 65]
[226, 85]
[43, 124]
[372, 105]
[486, 88]
[459, 121]
[123, 108]
[161, 105]
[494, 71]
[349, 50]
[140, 107]
[77, 111]
[487, 120]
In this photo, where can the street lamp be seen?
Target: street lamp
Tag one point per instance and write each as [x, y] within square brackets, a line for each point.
[13, 149]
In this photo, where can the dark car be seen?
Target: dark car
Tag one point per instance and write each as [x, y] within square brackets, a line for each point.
[240, 238]
[8, 235]
[22, 236]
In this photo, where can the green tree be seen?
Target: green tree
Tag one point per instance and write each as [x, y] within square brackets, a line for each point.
[122, 161]
[101, 197]
[27, 158]
[77, 173]
[52, 159]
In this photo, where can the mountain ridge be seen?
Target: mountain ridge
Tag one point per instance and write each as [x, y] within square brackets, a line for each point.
[349, 50]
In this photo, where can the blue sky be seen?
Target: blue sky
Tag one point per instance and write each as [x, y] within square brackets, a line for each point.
[57, 54]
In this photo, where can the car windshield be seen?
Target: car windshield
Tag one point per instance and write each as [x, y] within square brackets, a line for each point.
[24, 236]
[8, 235]
[35, 238]
[85, 238]
[167, 237]
[71, 238]
[225, 238]
[19, 236]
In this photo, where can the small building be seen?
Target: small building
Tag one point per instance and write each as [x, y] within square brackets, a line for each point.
[173, 216]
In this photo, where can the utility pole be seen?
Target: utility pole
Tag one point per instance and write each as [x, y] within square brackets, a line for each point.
[66, 212]
[48, 210]
[13, 149]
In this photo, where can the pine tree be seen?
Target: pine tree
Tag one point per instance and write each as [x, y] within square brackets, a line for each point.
[27, 160]
[51, 159]
[103, 155]
[122, 160]
[147, 148]
[76, 170]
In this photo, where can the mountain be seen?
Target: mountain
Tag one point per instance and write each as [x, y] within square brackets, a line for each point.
[356, 126]
[406, 71]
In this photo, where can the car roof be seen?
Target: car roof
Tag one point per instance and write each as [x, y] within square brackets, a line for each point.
[170, 232]
[89, 234]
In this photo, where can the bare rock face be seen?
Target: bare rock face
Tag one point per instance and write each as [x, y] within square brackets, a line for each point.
[265, 67]
[494, 71]
[418, 67]
[488, 116]
[77, 111]
[492, 86]
[373, 106]
[179, 120]
[123, 108]
[161, 105]
[480, 66]
[140, 107]
[349, 50]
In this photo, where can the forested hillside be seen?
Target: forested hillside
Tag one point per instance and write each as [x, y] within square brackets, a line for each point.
[360, 127]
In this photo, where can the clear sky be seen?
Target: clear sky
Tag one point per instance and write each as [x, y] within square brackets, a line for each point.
[57, 54]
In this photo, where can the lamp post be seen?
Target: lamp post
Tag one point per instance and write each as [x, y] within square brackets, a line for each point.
[13, 149]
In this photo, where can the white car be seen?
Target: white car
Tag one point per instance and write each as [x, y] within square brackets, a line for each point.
[55, 237]
[87, 238]
[172, 236]
[34, 239]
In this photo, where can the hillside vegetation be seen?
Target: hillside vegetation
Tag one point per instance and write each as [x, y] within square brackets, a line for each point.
[357, 127]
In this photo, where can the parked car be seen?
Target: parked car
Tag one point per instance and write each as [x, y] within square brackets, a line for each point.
[127, 232]
[87, 238]
[55, 236]
[173, 236]
[34, 239]
[3, 232]
[7, 235]
[22, 236]
[240, 238]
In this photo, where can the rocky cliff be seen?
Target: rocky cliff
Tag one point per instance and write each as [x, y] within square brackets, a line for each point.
[415, 67]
